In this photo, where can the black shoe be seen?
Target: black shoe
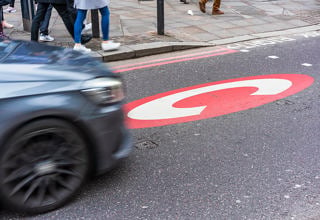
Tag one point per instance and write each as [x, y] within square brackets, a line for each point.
[85, 38]
[184, 1]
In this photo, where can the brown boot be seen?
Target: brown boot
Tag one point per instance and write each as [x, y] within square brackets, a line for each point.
[217, 12]
[202, 6]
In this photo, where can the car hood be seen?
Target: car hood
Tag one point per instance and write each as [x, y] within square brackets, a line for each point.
[22, 61]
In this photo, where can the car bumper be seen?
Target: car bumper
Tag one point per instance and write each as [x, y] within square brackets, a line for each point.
[110, 139]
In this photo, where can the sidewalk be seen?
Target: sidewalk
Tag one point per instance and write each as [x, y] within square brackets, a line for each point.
[134, 25]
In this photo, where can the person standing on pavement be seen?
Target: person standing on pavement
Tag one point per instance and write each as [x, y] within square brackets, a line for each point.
[82, 7]
[215, 9]
[62, 7]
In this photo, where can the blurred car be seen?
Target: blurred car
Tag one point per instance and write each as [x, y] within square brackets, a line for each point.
[61, 120]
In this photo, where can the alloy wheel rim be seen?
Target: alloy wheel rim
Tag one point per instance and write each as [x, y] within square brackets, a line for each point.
[44, 167]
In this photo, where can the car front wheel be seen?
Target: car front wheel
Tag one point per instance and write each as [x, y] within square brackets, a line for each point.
[42, 166]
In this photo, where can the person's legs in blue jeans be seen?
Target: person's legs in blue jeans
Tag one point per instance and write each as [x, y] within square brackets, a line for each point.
[106, 44]
[81, 15]
[105, 17]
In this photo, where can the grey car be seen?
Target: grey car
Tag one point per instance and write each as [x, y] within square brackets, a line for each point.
[61, 120]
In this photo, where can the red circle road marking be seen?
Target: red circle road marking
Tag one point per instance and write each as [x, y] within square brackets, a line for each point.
[212, 99]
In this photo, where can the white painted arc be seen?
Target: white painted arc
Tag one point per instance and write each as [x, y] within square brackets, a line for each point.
[162, 108]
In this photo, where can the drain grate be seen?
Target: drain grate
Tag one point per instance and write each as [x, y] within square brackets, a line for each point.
[145, 145]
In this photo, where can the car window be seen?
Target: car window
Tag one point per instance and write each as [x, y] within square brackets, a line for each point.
[30, 53]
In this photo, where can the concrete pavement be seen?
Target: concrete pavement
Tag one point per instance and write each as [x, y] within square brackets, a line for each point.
[134, 25]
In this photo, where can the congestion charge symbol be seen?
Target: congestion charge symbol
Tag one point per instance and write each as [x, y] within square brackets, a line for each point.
[213, 99]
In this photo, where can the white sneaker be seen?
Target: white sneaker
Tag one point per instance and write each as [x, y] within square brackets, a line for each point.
[110, 45]
[9, 10]
[46, 38]
[87, 28]
[81, 48]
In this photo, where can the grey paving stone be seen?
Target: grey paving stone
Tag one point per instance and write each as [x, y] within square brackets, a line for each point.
[232, 40]
[134, 22]
[211, 28]
[224, 34]
[240, 31]
[240, 23]
[235, 3]
[222, 24]
[256, 21]
[205, 37]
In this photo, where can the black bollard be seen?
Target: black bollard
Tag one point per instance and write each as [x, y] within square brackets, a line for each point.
[160, 16]
[95, 23]
[27, 11]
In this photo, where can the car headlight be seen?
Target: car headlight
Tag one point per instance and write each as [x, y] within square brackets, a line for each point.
[104, 90]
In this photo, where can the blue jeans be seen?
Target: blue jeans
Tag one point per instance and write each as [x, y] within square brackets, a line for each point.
[12, 3]
[81, 15]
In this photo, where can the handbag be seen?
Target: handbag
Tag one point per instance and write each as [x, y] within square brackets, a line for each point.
[4, 2]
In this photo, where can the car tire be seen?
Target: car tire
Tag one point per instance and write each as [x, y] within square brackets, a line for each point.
[42, 166]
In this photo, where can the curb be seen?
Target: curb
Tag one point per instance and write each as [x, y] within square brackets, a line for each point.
[147, 49]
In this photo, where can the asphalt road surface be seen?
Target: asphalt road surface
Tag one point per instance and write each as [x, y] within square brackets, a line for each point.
[256, 158]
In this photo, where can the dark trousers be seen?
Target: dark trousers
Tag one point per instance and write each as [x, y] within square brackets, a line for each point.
[44, 25]
[1, 14]
[1, 18]
[12, 3]
[63, 11]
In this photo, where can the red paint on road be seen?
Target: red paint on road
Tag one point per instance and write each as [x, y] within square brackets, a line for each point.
[213, 99]
[170, 60]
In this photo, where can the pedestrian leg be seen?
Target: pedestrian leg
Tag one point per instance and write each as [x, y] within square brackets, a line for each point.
[65, 16]
[81, 15]
[202, 5]
[216, 8]
[107, 45]
[44, 26]
[38, 18]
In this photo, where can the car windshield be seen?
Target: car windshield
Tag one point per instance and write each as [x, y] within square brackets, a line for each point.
[58, 58]
[29, 53]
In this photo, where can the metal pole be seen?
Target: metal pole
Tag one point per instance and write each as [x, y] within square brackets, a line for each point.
[95, 23]
[27, 11]
[160, 16]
